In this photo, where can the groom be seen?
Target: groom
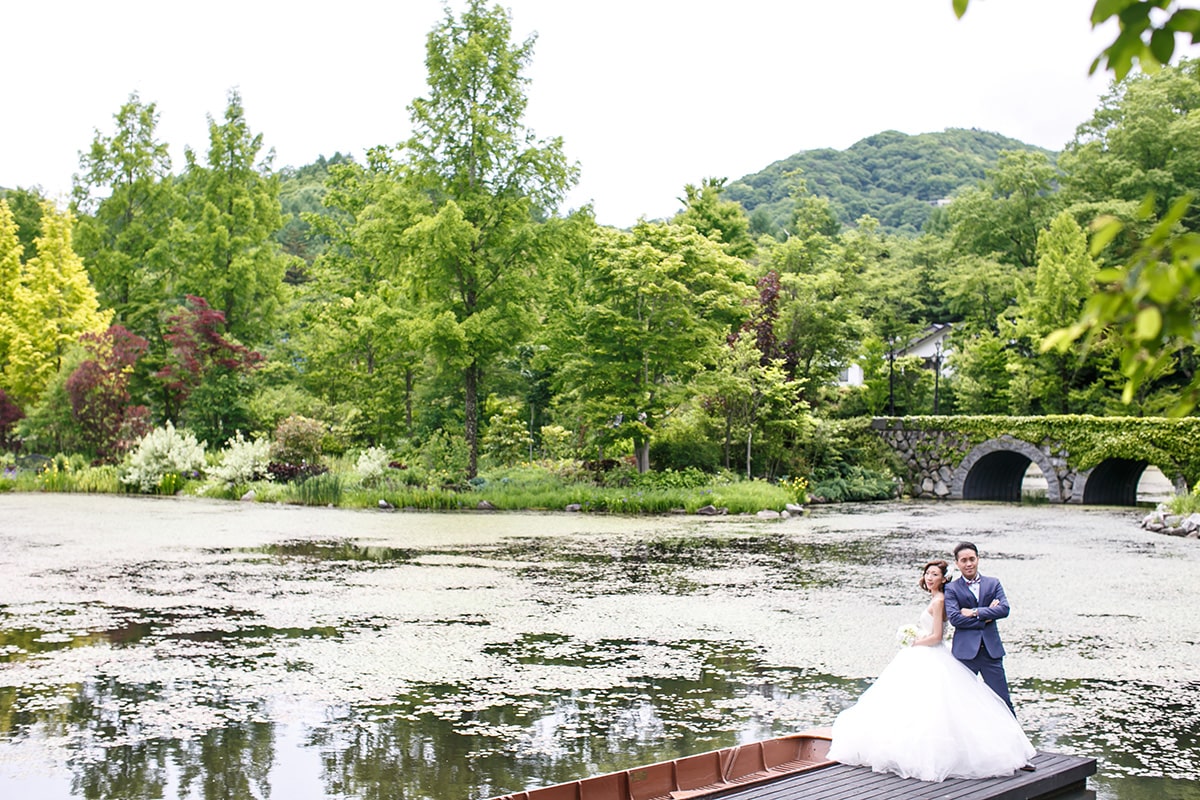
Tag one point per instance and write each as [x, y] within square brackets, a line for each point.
[973, 604]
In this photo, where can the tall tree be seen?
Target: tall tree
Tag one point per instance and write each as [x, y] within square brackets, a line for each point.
[652, 309]
[230, 254]
[11, 252]
[1000, 218]
[26, 208]
[1148, 301]
[125, 196]
[360, 335]
[1065, 277]
[1143, 139]
[488, 182]
[724, 221]
[52, 305]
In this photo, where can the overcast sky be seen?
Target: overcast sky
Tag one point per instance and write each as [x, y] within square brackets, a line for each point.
[648, 95]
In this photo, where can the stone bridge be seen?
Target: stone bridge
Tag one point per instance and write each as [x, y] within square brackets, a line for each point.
[1084, 459]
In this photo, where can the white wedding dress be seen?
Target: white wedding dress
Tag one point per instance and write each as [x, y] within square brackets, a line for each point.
[929, 717]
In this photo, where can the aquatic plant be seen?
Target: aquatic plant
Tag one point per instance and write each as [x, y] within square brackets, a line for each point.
[324, 489]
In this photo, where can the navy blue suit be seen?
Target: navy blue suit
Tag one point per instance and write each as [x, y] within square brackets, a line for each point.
[976, 639]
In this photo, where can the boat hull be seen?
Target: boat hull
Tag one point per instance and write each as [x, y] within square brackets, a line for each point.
[697, 776]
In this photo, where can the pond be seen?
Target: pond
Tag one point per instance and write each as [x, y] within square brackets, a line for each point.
[171, 648]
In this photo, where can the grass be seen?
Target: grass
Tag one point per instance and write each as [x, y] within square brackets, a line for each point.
[544, 486]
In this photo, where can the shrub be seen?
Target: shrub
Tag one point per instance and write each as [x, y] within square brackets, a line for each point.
[372, 464]
[688, 478]
[298, 440]
[852, 483]
[444, 458]
[290, 473]
[556, 442]
[507, 438]
[161, 452]
[243, 461]
[104, 479]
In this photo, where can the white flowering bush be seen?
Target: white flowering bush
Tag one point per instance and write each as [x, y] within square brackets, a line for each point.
[243, 461]
[371, 466]
[162, 459]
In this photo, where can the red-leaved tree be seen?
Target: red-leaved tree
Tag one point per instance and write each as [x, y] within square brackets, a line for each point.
[10, 415]
[99, 392]
[201, 358]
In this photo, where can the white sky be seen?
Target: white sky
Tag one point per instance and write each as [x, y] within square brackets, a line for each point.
[648, 95]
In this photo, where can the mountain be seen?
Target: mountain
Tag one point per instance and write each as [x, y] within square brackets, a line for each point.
[895, 177]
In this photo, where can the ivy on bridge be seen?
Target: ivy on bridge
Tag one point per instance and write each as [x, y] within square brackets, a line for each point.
[1085, 459]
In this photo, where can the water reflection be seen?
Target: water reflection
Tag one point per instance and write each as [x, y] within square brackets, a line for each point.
[424, 663]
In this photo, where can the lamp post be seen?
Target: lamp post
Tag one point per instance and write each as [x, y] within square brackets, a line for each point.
[937, 371]
[891, 376]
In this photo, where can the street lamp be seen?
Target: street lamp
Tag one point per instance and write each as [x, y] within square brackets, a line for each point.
[937, 371]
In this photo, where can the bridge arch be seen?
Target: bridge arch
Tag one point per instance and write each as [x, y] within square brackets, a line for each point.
[1114, 482]
[995, 469]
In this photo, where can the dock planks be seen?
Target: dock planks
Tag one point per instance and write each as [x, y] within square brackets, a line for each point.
[1055, 773]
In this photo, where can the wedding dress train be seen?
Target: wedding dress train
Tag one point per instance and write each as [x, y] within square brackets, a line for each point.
[929, 717]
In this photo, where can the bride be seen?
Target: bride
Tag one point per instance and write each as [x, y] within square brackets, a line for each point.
[927, 716]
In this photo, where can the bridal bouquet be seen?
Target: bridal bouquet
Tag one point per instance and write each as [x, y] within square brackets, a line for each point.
[906, 635]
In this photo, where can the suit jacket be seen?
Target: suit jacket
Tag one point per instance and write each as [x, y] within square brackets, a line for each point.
[969, 632]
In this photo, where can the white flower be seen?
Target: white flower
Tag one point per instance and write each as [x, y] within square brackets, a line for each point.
[906, 635]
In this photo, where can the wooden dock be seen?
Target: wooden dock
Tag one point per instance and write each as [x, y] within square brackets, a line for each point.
[1055, 774]
[797, 767]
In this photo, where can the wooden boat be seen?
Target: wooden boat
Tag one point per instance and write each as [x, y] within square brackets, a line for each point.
[698, 775]
[798, 767]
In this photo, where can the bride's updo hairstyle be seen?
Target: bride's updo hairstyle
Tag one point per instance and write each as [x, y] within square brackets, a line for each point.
[940, 564]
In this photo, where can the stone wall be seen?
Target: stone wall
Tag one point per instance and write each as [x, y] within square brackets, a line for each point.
[930, 457]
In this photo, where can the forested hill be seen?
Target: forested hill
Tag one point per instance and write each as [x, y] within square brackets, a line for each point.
[894, 177]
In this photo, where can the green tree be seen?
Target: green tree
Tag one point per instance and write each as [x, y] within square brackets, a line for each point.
[652, 308]
[26, 208]
[757, 404]
[125, 196]
[981, 378]
[1143, 139]
[976, 291]
[360, 334]
[52, 305]
[1065, 277]
[1148, 301]
[11, 252]
[721, 220]
[1000, 218]
[230, 256]
[488, 182]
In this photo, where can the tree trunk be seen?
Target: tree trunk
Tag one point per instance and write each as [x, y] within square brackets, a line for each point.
[471, 420]
[408, 389]
[641, 451]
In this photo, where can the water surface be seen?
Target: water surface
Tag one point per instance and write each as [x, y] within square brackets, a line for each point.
[186, 648]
